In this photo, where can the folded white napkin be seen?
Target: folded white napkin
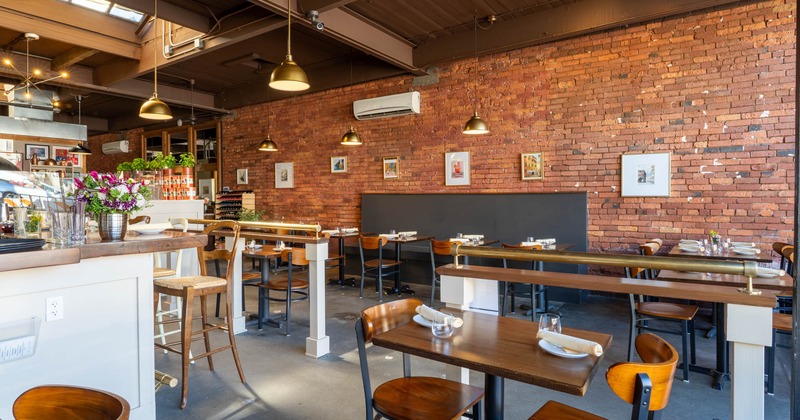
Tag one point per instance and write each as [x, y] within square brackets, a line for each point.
[571, 343]
[745, 250]
[459, 240]
[330, 231]
[769, 272]
[350, 230]
[547, 241]
[691, 248]
[435, 316]
[689, 242]
[744, 244]
[474, 237]
[390, 235]
[531, 243]
[409, 233]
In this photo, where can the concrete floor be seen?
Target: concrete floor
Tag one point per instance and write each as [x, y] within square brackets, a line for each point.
[282, 383]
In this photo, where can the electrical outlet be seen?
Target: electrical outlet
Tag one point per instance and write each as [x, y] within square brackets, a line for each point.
[55, 308]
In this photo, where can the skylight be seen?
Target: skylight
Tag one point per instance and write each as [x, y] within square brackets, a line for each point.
[109, 8]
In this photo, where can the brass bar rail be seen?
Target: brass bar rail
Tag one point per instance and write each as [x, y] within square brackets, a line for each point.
[267, 225]
[745, 268]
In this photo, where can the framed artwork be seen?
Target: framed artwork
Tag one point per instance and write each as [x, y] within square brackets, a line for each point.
[646, 175]
[62, 154]
[15, 158]
[338, 164]
[284, 175]
[40, 150]
[532, 167]
[241, 176]
[391, 167]
[456, 168]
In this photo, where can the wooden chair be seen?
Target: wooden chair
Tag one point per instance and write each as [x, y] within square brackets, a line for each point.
[787, 252]
[437, 248]
[643, 311]
[376, 267]
[658, 241]
[778, 248]
[202, 286]
[48, 402]
[644, 385]
[159, 272]
[409, 397]
[781, 324]
[139, 219]
[537, 291]
[294, 289]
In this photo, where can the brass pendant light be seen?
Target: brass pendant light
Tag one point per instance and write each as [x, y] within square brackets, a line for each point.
[351, 138]
[79, 149]
[154, 108]
[289, 76]
[268, 145]
[475, 125]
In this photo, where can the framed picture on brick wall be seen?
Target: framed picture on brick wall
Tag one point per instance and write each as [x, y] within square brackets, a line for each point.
[284, 175]
[646, 175]
[532, 166]
[339, 164]
[456, 168]
[391, 168]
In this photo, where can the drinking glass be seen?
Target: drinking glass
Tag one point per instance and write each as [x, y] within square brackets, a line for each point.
[459, 235]
[443, 328]
[550, 322]
[531, 239]
[60, 227]
[392, 231]
[280, 245]
[20, 216]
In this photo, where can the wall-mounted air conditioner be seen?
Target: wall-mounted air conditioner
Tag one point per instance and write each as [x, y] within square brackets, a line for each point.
[115, 147]
[387, 106]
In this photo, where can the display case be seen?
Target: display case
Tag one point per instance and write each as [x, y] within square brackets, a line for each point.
[63, 171]
[229, 204]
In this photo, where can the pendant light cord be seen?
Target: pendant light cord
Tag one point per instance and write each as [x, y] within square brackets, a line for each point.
[155, 52]
[475, 52]
[289, 28]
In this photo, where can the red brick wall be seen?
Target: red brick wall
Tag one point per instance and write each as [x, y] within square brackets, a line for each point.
[715, 90]
[100, 162]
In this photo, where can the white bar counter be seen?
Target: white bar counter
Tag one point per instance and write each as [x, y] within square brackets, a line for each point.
[105, 339]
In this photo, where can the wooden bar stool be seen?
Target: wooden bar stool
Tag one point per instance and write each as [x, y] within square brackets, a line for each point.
[49, 402]
[187, 288]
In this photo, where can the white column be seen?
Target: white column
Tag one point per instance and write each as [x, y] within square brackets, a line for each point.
[238, 317]
[317, 343]
[749, 328]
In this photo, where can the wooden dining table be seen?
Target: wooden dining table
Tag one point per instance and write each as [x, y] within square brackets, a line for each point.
[501, 348]
[398, 242]
[763, 256]
[264, 254]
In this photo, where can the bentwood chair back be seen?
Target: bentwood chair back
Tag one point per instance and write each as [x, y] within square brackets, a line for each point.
[139, 219]
[778, 248]
[646, 386]
[173, 259]
[643, 311]
[295, 289]
[537, 291]
[49, 402]
[437, 248]
[378, 267]
[788, 253]
[202, 286]
[409, 397]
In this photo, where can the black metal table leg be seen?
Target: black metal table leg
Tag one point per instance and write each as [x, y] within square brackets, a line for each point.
[493, 400]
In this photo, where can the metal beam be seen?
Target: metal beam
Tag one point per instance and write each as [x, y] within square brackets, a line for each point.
[359, 33]
[324, 5]
[566, 21]
[66, 23]
[170, 12]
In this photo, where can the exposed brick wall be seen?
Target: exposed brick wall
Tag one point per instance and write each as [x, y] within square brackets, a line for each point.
[715, 90]
[98, 161]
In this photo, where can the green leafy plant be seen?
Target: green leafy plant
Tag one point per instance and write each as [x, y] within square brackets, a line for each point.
[125, 166]
[139, 164]
[187, 160]
[156, 163]
[168, 161]
[250, 215]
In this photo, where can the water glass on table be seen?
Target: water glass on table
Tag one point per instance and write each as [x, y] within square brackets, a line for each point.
[550, 322]
[443, 328]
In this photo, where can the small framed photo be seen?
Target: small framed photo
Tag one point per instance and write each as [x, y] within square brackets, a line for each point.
[40, 150]
[646, 175]
[62, 154]
[338, 164]
[532, 166]
[241, 176]
[284, 175]
[391, 168]
[456, 168]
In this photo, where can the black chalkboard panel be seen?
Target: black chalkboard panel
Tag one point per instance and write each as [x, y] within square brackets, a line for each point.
[508, 218]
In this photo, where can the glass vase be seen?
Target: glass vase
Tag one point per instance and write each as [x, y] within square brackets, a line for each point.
[77, 216]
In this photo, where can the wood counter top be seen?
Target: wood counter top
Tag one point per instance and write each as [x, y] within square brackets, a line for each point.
[52, 255]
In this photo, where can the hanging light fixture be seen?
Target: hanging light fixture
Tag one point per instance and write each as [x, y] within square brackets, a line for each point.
[475, 125]
[80, 149]
[289, 76]
[29, 78]
[351, 138]
[154, 108]
[268, 145]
